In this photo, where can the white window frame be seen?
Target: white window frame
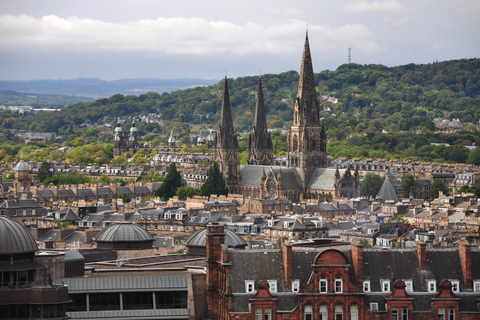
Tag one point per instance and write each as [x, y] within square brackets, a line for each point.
[374, 306]
[272, 286]
[395, 313]
[324, 280]
[249, 286]
[431, 286]
[338, 284]
[353, 312]
[295, 285]
[385, 285]
[476, 286]
[455, 285]
[408, 285]
[258, 314]
[366, 286]
[404, 313]
[308, 312]
[338, 312]
[268, 314]
[451, 313]
[323, 312]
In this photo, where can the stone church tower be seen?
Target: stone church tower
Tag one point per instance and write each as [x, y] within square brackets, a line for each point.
[226, 146]
[260, 149]
[306, 140]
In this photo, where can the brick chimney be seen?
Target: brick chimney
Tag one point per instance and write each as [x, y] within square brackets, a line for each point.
[357, 257]
[422, 255]
[288, 264]
[465, 253]
[215, 238]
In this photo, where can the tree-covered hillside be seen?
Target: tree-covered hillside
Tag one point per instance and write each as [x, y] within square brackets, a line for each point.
[400, 101]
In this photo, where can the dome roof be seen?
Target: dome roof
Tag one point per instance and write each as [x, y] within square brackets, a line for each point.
[118, 128]
[21, 166]
[200, 140]
[15, 238]
[123, 232]
[210, 137]
[199, 239]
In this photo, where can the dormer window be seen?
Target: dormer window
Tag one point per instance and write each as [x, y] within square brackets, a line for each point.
[249, 286]
[295, 285]
[179, 216]
[385, 285]
[455, 285]
[272, 285]
[168, 215]
[270, 223]
[431, 286]
[408, 285]
[366, 286]
[476, 286]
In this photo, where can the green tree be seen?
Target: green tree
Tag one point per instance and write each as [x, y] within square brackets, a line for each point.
[438, 186]
[409, 183]
[68, 178]
[104, 179]
[474, 156]
[173, 181]
[465, 189]
[215, 184]
[185, 192]
[371, 184]
[44, 171]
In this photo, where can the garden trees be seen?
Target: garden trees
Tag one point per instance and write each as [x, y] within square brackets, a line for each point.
[438, 186]
[173, 181]
[44, 171]
[214, 183]
[370, 185]
[409, 183]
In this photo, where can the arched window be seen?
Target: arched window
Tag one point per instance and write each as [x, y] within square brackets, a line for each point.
[323, 312]
[353, 312]
[308, 312]
[338, 312]
[338, 284]
[295, 143]
[323, 284]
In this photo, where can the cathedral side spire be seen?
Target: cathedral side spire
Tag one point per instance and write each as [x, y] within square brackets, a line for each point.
[226, 152]
[260, 148]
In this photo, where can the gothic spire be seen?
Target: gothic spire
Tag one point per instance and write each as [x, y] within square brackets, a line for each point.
[226, 132]
[306, 106]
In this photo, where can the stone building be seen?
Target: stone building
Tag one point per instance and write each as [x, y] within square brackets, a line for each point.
[306, 175]
[125, 141]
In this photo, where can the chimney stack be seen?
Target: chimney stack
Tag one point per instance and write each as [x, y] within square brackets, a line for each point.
[288, 264]
[357, 257]
[422, 255]
[465, 253]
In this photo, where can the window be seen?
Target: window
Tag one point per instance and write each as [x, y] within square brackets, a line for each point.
[308, 312]
[366, 286]
[323, 312]
[374, 306]
[385, 285]
[394, 313]
[323, 284]
[441, 313]
[249, 286]
[168, 215]
[353, 312]
[295, 285]
[404, 314]
[338, 284]
[476, 286]
[451, 314]
[338, 312]
[431, 286]
[268, 313]
[455, 285]
[258, 314]
[408, 285]
[272, 285]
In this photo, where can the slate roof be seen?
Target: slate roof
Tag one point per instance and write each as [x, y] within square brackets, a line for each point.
[251, 176]
[46, 193]
[386, 191]
[86, 192]
[124, 190]
[323, 178]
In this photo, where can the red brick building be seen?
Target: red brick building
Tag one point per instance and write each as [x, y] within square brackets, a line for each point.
[353, 284]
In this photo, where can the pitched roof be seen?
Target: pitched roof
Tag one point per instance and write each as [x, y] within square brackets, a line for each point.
[386, 191]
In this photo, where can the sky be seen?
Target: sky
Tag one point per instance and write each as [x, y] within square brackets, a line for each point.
[118, 39]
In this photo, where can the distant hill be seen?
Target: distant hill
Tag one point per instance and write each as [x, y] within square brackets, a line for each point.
[96, 88]
[38, 100]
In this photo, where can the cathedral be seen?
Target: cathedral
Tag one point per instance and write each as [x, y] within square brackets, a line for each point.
[305, 175]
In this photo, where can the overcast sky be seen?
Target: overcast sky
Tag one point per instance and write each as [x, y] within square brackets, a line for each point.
[67, 39]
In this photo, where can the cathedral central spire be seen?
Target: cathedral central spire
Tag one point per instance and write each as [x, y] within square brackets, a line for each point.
[306, 107]
[260, 149]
